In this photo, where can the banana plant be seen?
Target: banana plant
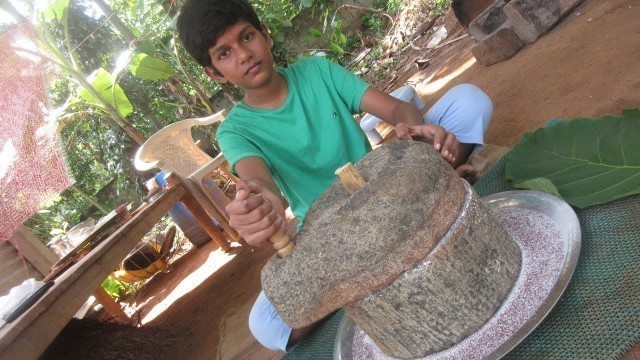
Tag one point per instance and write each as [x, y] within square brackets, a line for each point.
[98, 89]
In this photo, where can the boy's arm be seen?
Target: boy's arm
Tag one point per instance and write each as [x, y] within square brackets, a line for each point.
[389, 109]
[258, 209]
[407, 120]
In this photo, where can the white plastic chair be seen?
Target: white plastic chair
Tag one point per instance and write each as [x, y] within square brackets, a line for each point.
[173, 150]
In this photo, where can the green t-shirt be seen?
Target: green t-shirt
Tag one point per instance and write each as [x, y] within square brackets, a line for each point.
[308, 138]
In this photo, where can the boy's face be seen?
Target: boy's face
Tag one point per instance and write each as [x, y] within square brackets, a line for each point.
[242, 56]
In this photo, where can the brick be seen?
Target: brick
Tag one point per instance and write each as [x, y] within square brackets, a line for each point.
[489, 20]
[567, 5]
[498, 46]
[530, 19]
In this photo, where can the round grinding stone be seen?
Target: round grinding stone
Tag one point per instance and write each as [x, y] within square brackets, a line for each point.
[414, 258]
[352, 245]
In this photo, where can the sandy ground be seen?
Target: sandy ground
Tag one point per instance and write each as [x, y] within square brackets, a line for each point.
[588, 66]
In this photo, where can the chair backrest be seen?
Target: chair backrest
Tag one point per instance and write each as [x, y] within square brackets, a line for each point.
[172, 149]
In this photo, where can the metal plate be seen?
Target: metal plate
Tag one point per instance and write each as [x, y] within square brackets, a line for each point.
[543, 204]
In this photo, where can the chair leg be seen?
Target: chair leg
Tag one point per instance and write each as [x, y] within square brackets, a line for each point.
[210, 207]
[200, 214]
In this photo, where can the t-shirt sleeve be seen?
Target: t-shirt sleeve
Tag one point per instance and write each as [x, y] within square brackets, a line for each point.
[350, 87]
[236, 147]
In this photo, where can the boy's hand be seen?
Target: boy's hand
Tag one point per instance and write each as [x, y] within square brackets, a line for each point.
[256, 213]
[444, 142]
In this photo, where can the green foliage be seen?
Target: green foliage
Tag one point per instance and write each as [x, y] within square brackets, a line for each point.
[154, 25]
[99, 153]
[60, 215]
[85, 37]
[112, 287]
[117, 289]
[276, 15]
[150, 68]
[103, 82]
[392, 6]
[54, 9]
[335, 39]
[585, 161]
[441, 6]
[374, 23]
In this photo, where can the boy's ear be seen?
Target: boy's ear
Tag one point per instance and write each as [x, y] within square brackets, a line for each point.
[215, 75]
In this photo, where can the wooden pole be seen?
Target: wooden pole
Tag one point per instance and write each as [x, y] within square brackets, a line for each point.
[350, 178]
[111, 305]
[200, 215]
[203, 219]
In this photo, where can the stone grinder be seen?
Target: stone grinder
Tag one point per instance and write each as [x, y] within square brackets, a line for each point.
[410, 252]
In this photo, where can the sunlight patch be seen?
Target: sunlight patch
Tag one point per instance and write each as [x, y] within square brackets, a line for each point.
[216, 260]
[434, 86]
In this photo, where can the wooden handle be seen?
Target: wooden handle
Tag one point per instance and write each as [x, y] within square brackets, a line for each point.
[350, 178]
[282, 243]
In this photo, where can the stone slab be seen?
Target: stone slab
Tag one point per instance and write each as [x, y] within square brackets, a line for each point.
[351, 246]
[530, 19]
[499, 46]
[489, 20]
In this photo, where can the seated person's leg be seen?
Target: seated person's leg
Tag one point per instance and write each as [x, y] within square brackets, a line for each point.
[465, 110]
[269, 328]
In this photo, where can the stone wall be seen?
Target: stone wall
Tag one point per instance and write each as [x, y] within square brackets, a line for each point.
[506, 26]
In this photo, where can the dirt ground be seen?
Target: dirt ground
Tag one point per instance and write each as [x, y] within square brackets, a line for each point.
[587, 66]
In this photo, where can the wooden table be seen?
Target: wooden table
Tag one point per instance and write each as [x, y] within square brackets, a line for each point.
[28, 336]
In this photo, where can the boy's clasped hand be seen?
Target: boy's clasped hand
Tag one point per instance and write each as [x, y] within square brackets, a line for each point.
[256, 213]
[443, 141]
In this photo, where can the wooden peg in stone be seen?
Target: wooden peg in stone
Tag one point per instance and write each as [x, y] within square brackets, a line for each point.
[350, 178]
[282, 243]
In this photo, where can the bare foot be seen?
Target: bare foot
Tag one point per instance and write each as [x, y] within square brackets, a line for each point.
[468, 172]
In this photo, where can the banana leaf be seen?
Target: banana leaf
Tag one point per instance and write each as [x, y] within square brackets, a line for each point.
[585, 161]
[102, 81]
[150, 68]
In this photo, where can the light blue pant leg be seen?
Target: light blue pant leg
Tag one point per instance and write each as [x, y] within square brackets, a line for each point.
[465, 110]
[267, 326]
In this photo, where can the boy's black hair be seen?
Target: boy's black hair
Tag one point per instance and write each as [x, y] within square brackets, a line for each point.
[201, 22]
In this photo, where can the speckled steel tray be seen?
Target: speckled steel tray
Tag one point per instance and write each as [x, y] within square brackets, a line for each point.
[531, 299]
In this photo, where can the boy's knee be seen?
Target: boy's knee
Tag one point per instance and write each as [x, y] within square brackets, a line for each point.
[267, 326]
[474, 94]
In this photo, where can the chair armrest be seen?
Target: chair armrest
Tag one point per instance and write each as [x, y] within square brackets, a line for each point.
[208, 167]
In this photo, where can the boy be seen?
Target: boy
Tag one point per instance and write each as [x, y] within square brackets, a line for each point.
[294, 127]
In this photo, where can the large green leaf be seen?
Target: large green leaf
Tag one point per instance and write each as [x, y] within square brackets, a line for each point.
[102, 81]
[585, 161]
[150, 68]
[54, 9]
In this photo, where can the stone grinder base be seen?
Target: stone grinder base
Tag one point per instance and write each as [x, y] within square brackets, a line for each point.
[450, 294]
[410, 246]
